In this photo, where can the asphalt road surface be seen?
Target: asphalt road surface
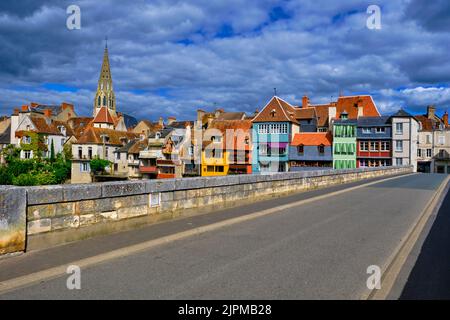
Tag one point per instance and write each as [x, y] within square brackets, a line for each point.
[317, 250]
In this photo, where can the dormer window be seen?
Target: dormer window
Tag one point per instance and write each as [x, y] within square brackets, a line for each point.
[28, 127]
[105, 138]
[123, 140]
[158, 135]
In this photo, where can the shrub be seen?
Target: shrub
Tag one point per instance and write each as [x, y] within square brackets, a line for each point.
[5, 176]
[25, 179]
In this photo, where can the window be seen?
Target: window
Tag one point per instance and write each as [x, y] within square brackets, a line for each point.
[441, 140]
[429, 153]
[117, 155]
[27, 154]
[219, 168]
[380, 130]
[80, 152]
[419, 153]
[99, 101]
[399, 128]
[373, 146]
[321, 149]
[366, 130]
[385, 146]
[26, 139]
[398, 161]
[210, 168]
[399, 145]
[300, 149]
[363, 163]
[364, 146]
[104, 100]
[90, 152]
[84, 167]
[428, 139]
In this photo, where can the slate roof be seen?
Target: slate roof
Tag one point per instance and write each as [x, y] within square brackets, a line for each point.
[373, 121]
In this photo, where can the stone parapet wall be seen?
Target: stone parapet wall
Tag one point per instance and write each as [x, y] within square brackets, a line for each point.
[58, 214]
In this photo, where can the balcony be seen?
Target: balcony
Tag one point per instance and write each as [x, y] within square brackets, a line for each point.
[148, 169]
[149, 154]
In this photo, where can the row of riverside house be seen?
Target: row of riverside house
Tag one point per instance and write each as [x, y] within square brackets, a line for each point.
[347, 133]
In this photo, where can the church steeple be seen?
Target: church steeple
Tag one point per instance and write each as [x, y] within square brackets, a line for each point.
[105, 93]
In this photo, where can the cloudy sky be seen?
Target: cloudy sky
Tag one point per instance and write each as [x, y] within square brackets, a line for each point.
[171, 57]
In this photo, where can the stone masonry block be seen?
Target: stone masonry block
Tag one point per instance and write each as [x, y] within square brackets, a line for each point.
[44, 194]
[75, 192]
[39, 226]
[123, 188]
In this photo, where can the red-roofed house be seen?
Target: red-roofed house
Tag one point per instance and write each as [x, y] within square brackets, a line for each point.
[310, 150]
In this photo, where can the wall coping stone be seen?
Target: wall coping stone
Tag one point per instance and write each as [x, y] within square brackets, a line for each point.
[75, 192]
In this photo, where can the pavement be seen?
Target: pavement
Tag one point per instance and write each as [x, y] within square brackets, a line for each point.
[315, 250]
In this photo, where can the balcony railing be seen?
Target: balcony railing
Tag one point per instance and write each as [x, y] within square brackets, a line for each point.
[148, 169]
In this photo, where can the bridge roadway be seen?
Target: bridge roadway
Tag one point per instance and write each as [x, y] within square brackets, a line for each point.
[315, 249]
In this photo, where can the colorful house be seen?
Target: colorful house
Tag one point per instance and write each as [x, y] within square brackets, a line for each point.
[227, 148]
[310, 150]
[344, 142]
[273, 129]
[374, 137]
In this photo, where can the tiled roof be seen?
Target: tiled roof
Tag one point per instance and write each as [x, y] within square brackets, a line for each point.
[322, 114]
[103, 116]
[350, 104]
[427, 124]
[94, 136]
[5, 136]
[231, 116]
[305, 113]
[45, 125]
[277, 110]
[312, 139]
[79, 125]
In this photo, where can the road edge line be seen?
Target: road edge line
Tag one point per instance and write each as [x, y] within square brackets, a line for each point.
[396, 261]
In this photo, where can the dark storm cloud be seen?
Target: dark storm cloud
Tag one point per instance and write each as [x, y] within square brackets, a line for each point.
[432, 15]
[170, 57]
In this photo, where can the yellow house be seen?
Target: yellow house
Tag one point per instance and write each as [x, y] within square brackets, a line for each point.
[214, 160]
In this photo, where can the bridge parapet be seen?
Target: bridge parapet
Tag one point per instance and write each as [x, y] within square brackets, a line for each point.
[50, 215]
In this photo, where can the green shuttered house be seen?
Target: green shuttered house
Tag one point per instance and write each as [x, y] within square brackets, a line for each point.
[344, 143]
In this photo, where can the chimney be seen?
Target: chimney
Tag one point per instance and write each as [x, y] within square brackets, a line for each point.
[66, 105]
[170, 120]
[331, 113]
[305, 102]
[218, 112]
[24, 108]
[430, 111]
[48, 113]
[16, 111]
[200, 115]
[445, 119]
[161, 121]
[360, 111]
[210, 119]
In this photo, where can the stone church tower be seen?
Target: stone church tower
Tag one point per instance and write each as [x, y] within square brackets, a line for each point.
[105, 93]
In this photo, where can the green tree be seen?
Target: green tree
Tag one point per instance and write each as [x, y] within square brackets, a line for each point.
[99, 165]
